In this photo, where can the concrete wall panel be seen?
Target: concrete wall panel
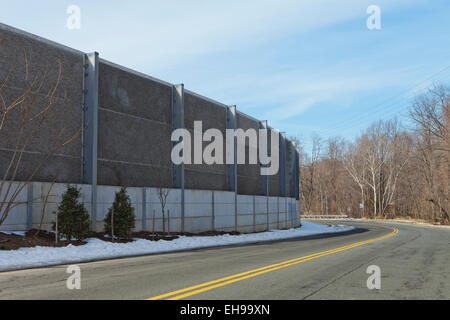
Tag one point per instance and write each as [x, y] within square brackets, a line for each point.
[245, 204]
[198, 212]
[198, 203]
[224, 204]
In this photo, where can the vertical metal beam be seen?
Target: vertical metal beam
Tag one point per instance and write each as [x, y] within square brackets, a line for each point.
[282, 173]
[254, 213]
[264, 180]
[297, 175]
[90, 128]
[285, 212]
[278, 213]
[298, 188]
[232, 168]
[290, 212]
[212, 212]
[30, 206]
[178, 123]
[292, 178]
[144, 209]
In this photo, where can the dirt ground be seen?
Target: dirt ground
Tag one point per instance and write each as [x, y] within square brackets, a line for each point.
[43, 238]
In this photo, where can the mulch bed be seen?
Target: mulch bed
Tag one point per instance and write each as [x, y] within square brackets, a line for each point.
[44, 238]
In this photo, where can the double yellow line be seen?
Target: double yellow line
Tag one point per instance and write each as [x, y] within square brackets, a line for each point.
[183, 293]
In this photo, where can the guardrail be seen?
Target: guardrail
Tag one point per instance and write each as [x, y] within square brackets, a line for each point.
[324, 216]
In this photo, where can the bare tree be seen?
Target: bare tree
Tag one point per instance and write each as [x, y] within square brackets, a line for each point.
[355, 165]
[373, 155]
[308, 173]
[47, 196]
[385, 153]
[431, 114]
[391, 170]
[398, 156]
[162, 195]
[30, 114]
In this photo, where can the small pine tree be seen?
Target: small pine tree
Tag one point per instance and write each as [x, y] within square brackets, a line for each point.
[124, 219]
[73, 218]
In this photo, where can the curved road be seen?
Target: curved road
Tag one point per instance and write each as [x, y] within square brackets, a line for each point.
[414, 264]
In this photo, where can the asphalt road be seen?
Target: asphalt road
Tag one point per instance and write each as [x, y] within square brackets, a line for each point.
[414, 264]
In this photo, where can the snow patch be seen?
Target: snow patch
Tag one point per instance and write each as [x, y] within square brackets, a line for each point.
[17, 233]
[96, 249]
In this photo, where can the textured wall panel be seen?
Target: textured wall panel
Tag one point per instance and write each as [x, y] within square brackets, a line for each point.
[248, 174]
[135, 117]
[212, 115]
[64, 96]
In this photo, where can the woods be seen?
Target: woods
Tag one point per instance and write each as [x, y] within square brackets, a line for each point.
[391, 170]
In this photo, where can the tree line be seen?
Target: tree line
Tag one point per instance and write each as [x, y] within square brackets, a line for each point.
[390, 170]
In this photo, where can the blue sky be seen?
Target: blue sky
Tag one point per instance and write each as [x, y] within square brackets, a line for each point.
[305, 66]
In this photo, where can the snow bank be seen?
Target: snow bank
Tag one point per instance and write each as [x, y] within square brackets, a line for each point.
[97, 249]
[17, 233]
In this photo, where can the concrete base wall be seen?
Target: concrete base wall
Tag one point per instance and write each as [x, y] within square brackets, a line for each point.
[205, 210]
[224, 212]
[17, 219]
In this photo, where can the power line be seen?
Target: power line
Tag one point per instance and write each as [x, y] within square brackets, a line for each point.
[392, 101]
[370, 117]
[382, 106]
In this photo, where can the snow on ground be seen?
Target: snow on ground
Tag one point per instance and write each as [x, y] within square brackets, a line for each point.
[17, 233]
[97, 249]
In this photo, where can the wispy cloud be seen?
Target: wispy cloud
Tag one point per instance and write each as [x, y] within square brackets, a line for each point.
[159, 34]
[277, 60]
[164, 35]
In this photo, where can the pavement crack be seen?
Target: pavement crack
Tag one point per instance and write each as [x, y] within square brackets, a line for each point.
[339, 277]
